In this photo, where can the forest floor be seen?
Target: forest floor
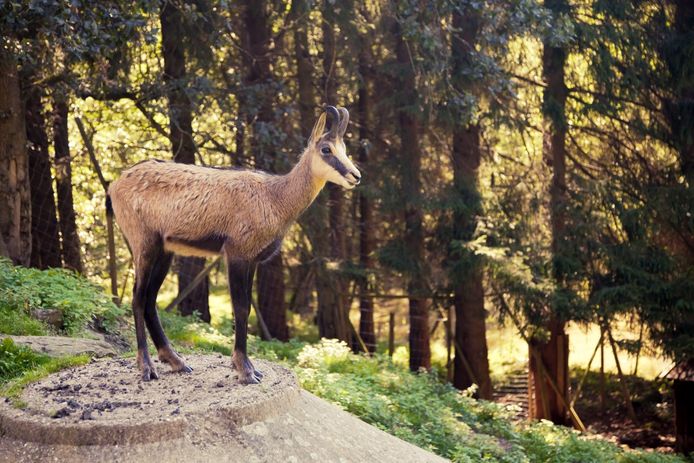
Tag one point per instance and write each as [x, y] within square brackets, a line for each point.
[608, 418]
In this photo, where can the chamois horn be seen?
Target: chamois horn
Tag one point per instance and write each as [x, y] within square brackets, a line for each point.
[344, 120]
[333, 120]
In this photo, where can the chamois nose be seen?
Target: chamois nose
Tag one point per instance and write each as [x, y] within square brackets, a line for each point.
[357, 177]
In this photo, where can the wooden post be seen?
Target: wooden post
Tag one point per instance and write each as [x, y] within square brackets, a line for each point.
[193, 284]
[112, 267]
[622, 379]
[449, 343]
[391, 334]
[638, 350]
[603, 398]
[585, 374]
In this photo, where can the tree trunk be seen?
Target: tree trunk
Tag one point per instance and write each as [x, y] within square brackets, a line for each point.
[259, 78]
[683, 391]
[544, 401]
[471, 365]
[45, 247]
[682, 128]
[15, 197]
[411, 161]
[182, 144]
[682, 109]
[333, 313]
[63, 177]
[366, 306]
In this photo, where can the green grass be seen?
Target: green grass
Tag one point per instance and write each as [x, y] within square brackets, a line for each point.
[20, 366]
[80, 301]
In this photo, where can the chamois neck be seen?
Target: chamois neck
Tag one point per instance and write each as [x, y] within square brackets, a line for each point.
[298, 188]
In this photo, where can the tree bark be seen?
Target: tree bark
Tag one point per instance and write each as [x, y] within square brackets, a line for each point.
[45, 247]
[182, 144]
[314, 222]
[681, 119]
[15, 197]
[63, 176]
[682, 109]
[259, 77]
[544, 401]
[366, 306]
[471, 365]
[410, 167]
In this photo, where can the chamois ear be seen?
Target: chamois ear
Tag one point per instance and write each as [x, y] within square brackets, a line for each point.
[317, 131]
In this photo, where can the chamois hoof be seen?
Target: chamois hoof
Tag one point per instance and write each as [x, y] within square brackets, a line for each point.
[184, 369]
[170, 356]
[249, 379]
[149, 373]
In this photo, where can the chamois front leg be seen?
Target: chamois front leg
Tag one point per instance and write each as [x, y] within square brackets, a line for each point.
[167, 354]
[240, 283]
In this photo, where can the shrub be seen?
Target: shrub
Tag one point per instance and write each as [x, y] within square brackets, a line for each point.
[79, 300]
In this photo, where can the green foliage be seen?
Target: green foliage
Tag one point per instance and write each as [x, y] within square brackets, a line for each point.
[416, 407]
[435, 416]
[18, 322]
[20, 366]
[14, 360]
[80, 301]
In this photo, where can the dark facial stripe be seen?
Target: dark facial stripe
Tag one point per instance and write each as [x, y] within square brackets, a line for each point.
[336, 164]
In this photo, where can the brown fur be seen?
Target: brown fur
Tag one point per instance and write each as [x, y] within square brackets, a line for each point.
[177, 202]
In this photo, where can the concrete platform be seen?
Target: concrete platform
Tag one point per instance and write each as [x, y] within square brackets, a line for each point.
[103, 412]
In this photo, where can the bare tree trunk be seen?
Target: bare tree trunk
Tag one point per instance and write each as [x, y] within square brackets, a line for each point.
[182, 144]
[63, 177]
[15, 197]
[45, 247]
[681, 119]
[333, 313]
[410, 152]
[471, 364]
[555, 352]
[366, 306]
[256, 41]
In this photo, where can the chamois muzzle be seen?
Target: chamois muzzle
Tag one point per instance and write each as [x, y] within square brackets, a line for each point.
[353, 178]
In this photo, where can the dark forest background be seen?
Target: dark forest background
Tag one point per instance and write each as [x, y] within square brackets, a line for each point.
[523, 161]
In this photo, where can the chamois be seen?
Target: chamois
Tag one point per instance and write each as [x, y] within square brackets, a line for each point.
[164, 208]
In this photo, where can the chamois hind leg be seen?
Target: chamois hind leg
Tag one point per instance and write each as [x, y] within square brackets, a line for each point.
[249, 288]
[143, 270]
[240, 283]
[160, 268]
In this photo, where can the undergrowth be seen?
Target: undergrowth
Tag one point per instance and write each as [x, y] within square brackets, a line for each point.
[416, 407]
[80, 301]
[20, 366]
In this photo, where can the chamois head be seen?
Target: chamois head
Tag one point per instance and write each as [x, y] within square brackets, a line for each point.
[327, 149]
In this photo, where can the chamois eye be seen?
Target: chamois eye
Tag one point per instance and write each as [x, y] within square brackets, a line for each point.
[325, 150]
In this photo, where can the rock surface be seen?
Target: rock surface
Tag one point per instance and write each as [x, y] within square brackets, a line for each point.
[103, 412]
[58, 346]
